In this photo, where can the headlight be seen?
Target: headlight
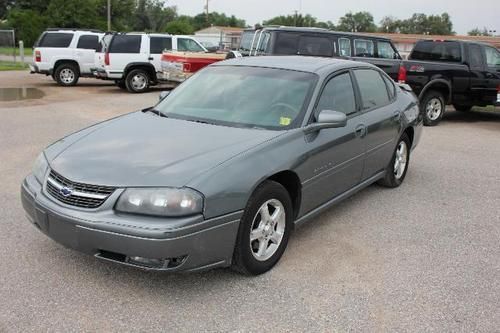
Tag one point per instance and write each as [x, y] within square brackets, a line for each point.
[40, 168]
[160, 202]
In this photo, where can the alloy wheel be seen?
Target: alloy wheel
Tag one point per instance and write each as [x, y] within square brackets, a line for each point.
[268, 228]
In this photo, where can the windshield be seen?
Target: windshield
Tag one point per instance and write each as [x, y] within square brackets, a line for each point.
[246, 40]
[242, 97]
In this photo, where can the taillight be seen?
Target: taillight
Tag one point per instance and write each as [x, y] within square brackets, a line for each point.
[186, 67]
[38, 56]
[402, 74]
[106, 59]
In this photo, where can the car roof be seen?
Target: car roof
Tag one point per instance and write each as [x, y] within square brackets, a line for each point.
[316, 65]
[321, 31]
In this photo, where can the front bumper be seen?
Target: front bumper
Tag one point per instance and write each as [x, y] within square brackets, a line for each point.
[202, 245]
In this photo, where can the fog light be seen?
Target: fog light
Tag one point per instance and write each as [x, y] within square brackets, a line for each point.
[147, 262]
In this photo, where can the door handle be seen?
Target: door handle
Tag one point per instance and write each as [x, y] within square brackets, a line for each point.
[396, 115]
[150, 58]
[360, 131]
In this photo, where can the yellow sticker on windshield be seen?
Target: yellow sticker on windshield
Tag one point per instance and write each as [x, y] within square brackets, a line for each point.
[285, 121]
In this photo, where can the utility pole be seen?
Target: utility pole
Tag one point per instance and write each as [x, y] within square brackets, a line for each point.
[206, 10]
[109, 15]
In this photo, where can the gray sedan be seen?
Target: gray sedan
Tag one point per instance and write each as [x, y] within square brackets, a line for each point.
[222, 170]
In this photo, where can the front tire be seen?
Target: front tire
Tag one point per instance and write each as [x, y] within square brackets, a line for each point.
[67, 74]
[398, 166]
[137, 81]
[264, 229]
[434, 106]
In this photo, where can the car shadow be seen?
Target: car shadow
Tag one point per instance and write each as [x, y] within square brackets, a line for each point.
[472, 116]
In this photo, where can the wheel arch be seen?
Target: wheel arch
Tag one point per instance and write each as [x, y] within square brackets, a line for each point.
[441, 85]
[59, 62]
[148, 67]
[291, 182]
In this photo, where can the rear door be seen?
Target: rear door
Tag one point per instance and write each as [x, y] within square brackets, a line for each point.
[478, 75]
[85, 52]
[381, 117]
[125, 49]
[158, 44]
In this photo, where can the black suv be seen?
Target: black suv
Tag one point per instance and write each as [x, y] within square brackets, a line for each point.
[321, 42]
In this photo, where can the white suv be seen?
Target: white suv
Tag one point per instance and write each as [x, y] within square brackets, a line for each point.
[133, 60]
[66, 54]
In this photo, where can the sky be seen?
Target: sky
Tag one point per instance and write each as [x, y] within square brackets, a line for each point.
[465, 14]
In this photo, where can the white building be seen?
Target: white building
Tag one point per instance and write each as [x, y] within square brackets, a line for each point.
[227, 37]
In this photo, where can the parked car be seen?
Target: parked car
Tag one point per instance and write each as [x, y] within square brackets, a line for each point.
[133, 60]
[66, 54]
[221, 170]
[461, 73]
[298, 41]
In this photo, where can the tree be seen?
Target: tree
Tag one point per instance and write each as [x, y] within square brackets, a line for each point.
[478, 32]
[389, 24]
[422, 24]
[298, 21]
[28, 24]
[179, 27]
[358, 22]
[72, 13]
[152, 15]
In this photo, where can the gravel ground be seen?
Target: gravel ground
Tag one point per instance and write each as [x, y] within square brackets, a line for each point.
[424, 257]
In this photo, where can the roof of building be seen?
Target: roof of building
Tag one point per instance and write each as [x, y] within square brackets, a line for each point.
[216, 29]
[413, 38]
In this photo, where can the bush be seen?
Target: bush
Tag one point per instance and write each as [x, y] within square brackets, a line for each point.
[28, 25]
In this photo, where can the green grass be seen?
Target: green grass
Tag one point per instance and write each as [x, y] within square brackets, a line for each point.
[28, 52]
[12, 66]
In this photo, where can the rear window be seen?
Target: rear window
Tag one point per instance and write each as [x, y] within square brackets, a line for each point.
[246, 40]
[437, 51]
[310, 45]
[125, 44]
[372, 87]
[158, 44]
[315, 46]
[89, 42]
[56, 39]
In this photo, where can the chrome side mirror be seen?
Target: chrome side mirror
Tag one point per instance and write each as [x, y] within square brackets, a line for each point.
[327, 119]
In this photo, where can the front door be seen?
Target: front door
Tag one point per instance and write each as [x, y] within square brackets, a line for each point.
[335, 162]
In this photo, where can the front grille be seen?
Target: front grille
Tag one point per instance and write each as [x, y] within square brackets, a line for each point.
[76, 194]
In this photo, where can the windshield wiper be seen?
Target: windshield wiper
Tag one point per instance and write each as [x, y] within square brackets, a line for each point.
[156, 112]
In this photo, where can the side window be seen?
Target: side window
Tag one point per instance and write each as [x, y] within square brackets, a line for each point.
[345, 47]
[372, 88]
[125, 44]
[437, 51]
[186, 44]
[105, 43]
[492, 56]
[391, 88]
[385, 50]
[315, 46]
[338, 95]
[286, 43]
[158, 44]
[88, 42]
[56, 39]
[264, 41]
[476, 57]
[364, 48]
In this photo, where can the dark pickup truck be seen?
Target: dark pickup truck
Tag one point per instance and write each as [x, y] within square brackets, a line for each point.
[464, 74]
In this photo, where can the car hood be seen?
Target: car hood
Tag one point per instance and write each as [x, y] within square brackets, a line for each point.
[143, 149]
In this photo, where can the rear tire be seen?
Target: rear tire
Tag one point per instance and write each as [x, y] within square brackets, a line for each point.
[463, 108]
[137, 81]
[264, 229]
[434, 106]
[67, 74]
[398, 166]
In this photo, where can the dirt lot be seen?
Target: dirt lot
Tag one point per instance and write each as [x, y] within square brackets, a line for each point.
[422, 258]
